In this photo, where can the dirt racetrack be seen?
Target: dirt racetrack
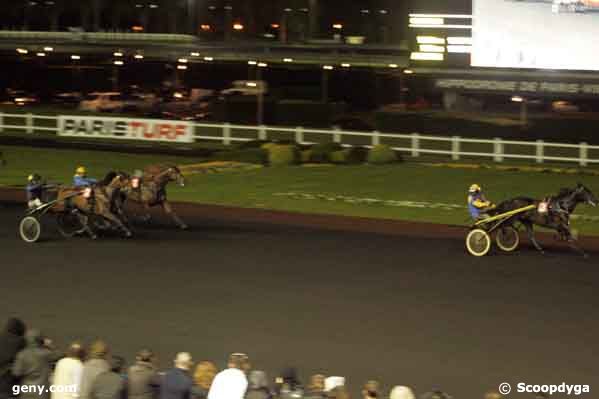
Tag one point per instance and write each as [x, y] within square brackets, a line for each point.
[391, 304]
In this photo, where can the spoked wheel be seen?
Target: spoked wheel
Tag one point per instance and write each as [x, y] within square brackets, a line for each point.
[68, 224]
[478, 242]
[30, 229]
[507, 238]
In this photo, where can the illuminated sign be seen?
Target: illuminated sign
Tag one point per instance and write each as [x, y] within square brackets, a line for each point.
[535, 87]
[125, 128]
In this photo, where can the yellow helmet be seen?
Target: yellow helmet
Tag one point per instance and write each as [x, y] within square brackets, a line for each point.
[474, 188]
[81, 170]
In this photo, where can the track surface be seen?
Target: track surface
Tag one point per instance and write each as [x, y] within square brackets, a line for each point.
[403, 310]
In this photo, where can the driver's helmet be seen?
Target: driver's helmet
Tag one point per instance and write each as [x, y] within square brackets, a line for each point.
[137, 173]
[474, 188]
[136, 178]
[34, 178]
[81, 171]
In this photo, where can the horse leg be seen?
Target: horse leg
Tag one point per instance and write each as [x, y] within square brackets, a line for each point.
[116, 221]
[146, 217]
[565, 232]
[169, 211]
[84, 220]
[531, 236]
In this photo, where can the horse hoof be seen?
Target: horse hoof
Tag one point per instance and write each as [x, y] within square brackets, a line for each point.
[93, 237]
[184, 227]
[128, 234]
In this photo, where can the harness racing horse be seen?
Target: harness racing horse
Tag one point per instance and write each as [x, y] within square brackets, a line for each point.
[553, 213]
[152, 190]
[95, 202]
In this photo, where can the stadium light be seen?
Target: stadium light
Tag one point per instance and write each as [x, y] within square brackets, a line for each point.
[182, 67]
[238, 26]
[408, 71]
[517, 99]
[22, 51]
[41, 54]
[262, 64]
[328, 67]
[275, 26]
[139, 57]
[251, 84]
[182, 60]
[447, 16]
[337, 26]
[208, 59]
[287, 59]
[429, 40]
[417, 56]
[117, 54]
[75, 57]
[194, 54]
[431, 48]
[252, 62]
[459, 49]
[393, 66]
[459, 40]
[346, 65]
[205, 27]
[49, 49]
[118, 63]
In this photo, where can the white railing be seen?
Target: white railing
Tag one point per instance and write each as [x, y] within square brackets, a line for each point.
[413, 144]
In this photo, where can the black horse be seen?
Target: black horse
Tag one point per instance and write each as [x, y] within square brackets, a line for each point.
[553, 213]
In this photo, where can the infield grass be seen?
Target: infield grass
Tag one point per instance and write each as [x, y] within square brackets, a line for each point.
[261, 188]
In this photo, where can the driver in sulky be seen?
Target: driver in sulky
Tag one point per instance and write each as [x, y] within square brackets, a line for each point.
[34, 189]
[478, 204]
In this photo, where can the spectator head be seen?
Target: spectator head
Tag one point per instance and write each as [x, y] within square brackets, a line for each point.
[493, 395]
[116, 364]
[76, 351]
[239, 361]
[15, 326]
[339, 392]
[401, 392]
[145, 356]
[333, 382]
[204, 374]
[98, 350]
[33, 337]
[257, 380]
[371, 389]
[183, 361]
[317, 383]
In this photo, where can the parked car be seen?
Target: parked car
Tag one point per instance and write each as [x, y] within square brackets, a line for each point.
[103, 102]
[19, 97]
[246, 88]
[70, 99]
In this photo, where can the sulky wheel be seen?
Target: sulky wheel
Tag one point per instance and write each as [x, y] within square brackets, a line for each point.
[478, 242]
[30, 229]
[507, 238]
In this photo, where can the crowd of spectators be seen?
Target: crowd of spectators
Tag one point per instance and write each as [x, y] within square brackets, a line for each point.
[29, 359]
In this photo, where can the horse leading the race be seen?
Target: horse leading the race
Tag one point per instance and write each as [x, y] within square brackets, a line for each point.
[149, 190]
[552, 212]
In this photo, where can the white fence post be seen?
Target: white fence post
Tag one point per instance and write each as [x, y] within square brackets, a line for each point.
[376, 138]
[584, 154]
[262, 133]
[1, 122]
[299, 135]
[226, 134]
[539, 151]
[455, 148]
[498, 150]
[415, 144]
[29, 123]
[336, 134]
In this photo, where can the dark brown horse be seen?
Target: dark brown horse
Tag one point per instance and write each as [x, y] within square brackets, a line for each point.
[94, 202]
[555, 215]
[151, 190]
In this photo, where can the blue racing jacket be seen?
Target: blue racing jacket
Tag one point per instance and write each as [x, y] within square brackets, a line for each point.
[34, 191]
[80, 181]
[476, 204]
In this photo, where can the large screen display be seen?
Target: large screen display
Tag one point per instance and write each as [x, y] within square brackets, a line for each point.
[558, 34]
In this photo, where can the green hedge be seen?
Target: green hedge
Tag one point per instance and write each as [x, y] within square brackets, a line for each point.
[282, 155]
[382, 154]
[321, 153]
